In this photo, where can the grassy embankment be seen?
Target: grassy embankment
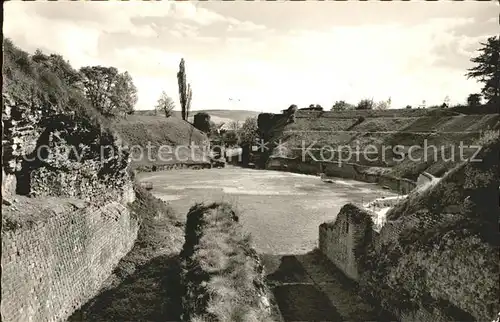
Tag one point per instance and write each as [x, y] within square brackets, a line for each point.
[444, 258]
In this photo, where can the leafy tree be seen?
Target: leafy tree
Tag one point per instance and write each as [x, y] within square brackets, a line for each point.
[342, 106]
[124, 94]
[248, 131]
[408, 106]
[98, 82]
[108, 91]
[185, 92]
[446, 102]
[230, 137]
[365, 104]
[202, 122]
[165, 104]
[487, 69]
[382, 105]
[63, 70]
[234, 125]
[474, 100]
[216, 129]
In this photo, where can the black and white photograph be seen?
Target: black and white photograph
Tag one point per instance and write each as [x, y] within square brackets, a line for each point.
[248, 161]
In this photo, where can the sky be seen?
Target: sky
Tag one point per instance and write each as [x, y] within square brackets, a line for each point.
[265, 56]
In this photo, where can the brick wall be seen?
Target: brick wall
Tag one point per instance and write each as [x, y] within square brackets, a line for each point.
[53, 266]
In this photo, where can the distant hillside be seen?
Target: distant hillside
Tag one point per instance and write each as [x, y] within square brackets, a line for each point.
[217, 116]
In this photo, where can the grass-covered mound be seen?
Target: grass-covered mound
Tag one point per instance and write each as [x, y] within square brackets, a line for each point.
[139, 131]
[442, 253]
[221, 272]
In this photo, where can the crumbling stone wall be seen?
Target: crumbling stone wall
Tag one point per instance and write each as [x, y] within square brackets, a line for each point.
[57, 253]
[51, 154]
[460, 284]
[56, 263]
[344, 240]
[20, 132]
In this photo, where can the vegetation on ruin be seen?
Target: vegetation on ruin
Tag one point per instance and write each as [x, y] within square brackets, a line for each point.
[221, 272]
[47, 79]
[448, 220]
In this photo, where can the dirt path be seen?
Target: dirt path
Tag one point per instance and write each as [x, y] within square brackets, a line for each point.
[309, 288]
[152, 293]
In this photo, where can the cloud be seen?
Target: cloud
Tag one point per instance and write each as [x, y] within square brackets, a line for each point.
[250, 55]
[182, 29]
[201, 16]
[245, 26]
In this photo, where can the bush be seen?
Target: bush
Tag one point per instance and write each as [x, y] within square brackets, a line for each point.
[474, 100]
[382, 105]
[48, 82]
[202, 122]
[342, 106]
[365, 104]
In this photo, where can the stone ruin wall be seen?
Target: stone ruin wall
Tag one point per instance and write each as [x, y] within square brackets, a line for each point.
[339, 239]
[55, 255]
